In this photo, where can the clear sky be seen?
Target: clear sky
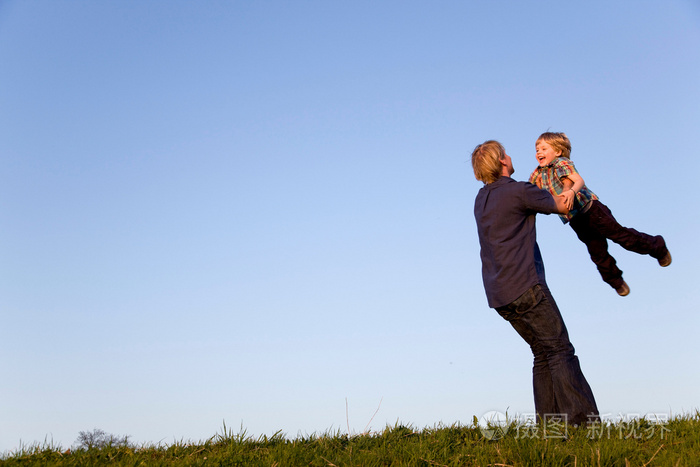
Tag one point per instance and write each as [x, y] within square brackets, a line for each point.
[257, 212]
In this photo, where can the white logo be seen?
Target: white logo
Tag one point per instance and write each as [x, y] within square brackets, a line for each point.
[493, 425]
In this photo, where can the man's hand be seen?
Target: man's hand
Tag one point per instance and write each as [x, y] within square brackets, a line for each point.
[569, 196]
[562, 207]
[567, 193]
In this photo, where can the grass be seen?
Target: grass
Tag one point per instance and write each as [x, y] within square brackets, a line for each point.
[638, 442]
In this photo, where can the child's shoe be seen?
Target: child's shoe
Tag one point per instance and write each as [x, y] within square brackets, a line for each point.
[665, 260]
[623, 290]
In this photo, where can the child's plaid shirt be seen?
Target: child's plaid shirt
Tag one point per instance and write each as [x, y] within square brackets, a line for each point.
[549, 178]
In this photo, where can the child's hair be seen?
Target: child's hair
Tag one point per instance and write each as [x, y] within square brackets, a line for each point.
[486, 161]
[559, 141]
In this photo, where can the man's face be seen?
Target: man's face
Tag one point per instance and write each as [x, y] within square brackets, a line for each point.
[508, 166]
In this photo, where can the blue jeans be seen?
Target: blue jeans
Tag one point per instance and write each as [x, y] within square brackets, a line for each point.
[559, 385]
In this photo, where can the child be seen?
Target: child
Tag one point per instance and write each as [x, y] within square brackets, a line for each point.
[591, 220]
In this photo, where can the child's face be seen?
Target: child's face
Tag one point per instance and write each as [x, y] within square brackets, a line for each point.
[545, 153]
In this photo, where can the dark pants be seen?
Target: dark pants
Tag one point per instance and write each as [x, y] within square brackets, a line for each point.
[559, 385]
[596, 225]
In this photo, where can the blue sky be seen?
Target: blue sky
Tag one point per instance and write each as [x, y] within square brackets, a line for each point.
[260, 213]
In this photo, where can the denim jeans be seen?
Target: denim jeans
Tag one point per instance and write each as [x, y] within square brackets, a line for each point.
[596, 225]
[559, 385]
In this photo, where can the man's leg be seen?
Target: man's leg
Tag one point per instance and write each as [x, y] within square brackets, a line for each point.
[545, 402]
[558, 382]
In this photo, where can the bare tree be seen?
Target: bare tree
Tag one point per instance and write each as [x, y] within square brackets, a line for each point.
[97, 439]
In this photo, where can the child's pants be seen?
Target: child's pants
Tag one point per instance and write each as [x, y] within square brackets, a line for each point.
[596, 225]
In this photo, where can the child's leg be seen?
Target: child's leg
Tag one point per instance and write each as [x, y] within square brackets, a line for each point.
[628, 238]
[598, 249]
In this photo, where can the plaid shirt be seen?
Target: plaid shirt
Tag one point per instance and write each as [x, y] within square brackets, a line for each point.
[550, 177]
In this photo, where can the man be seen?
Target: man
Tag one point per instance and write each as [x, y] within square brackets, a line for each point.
[513, 274]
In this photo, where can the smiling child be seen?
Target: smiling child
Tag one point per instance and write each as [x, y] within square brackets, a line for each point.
[592, 221]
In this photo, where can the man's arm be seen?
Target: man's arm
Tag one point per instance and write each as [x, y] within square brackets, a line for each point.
[540, 200]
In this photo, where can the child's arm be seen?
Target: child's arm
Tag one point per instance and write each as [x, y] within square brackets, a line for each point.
[572, 185]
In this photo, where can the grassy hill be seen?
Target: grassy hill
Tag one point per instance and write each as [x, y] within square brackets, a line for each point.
[638, 442]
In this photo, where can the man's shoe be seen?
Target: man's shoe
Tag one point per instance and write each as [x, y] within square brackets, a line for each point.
[623, 290]
[665, 260]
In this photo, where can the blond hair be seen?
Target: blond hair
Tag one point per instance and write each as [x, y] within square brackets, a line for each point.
[558, 141]
[486, 161]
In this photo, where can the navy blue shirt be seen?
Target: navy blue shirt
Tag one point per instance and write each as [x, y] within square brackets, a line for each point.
[511, 262]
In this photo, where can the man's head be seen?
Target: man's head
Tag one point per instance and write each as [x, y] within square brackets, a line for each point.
[490, 162]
